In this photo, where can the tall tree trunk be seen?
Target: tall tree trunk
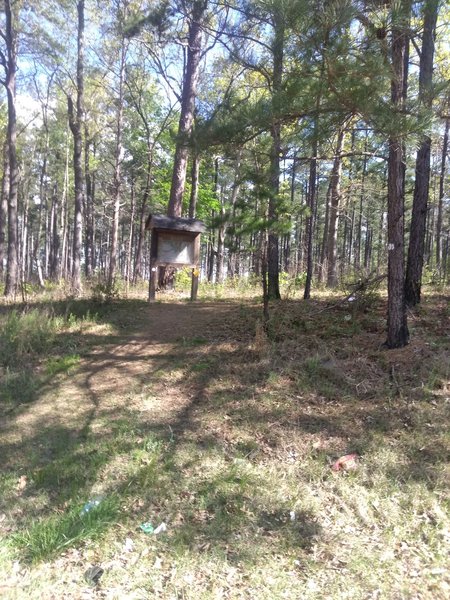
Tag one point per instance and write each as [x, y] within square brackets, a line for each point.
[195, 172]
[114, 249]
[414, 268]
[441, 197]
[359, 238]
[54, 235]
[76, 126]
[311, 203]
[63, 231]
[335, 181]
[177, 188]
[138, 268]
[311, 198]
[131, 236]
[26, 241]
[224, 219]
[88, 208]
[211, 254]
[380, 235]
[273, 260]
[368, 247]
[10, 66]
[323, 267]
[4, 208]
[42, 204]
[220, 241]
[397, 329]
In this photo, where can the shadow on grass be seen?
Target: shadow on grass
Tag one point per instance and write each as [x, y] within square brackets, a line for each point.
[239, 405]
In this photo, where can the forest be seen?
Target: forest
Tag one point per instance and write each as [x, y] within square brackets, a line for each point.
[284, 436]
[311, 137]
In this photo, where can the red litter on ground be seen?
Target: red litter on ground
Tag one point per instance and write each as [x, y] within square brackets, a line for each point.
[349, 462]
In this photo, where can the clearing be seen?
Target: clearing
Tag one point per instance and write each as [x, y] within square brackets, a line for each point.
[190, 415]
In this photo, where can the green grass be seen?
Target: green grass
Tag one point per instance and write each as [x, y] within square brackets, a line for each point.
[233, 451]
[24, 335]
[36, 344]
[61, 364]
[18, 387]
[55, 533]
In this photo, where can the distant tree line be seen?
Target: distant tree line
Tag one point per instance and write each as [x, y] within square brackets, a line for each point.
[312, 138]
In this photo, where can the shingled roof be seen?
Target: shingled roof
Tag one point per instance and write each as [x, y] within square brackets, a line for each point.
[174, 224]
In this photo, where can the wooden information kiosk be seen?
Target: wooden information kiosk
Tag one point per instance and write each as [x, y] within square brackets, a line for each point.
[175, 242]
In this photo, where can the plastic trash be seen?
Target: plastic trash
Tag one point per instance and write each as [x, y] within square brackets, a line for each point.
[90, 505]
[349, 462]
[160, 529]
[93, 574]
[128, 545]
[147, 527]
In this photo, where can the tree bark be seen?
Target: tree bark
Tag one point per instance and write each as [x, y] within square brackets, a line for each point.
[129, 261]
[335, 182]
[311, 202]
[413, 282]
[63, 269]
[397, 329]
[189, 92]
[273, 259]
[220, 241]
[441, 197]
[76, 126]
[195, 172]
[117, 185]
[88, 208]
[9, 62]
[359, 240]
[138, 265]
[4, 208]
[42, 205]
[25, 241]
[54, 236]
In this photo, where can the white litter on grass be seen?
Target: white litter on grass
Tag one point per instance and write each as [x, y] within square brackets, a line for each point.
[160, 529]
[128, 545]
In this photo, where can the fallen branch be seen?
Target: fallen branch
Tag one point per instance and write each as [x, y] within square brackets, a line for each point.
[361, 286]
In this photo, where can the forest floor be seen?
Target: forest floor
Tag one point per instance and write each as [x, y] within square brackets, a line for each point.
[192, 416]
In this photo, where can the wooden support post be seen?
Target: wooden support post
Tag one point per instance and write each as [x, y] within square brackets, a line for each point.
[152, 283]
[194, 284]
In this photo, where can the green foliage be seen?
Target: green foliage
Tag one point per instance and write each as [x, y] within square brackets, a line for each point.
[183, 279]
[291, 284]
[431, 276]
[18, 386]
[105, 291]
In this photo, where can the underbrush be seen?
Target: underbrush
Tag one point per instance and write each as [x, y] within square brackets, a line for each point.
[35, 345]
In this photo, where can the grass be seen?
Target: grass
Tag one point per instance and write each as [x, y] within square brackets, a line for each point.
[228, 436]
[50, 536]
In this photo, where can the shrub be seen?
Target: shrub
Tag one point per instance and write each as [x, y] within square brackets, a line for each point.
[25, 334]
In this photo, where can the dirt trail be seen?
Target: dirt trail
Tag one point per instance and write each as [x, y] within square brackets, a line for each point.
[141, 372]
